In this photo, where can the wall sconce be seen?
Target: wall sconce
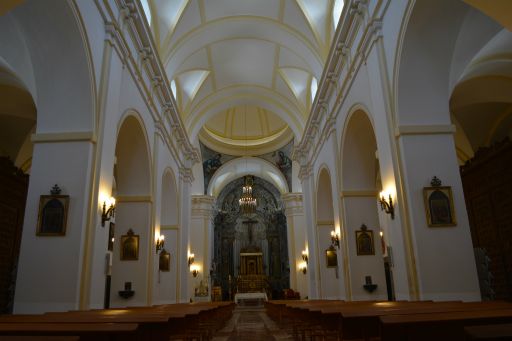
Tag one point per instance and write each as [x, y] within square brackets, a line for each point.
[190, 259]
[108, 213]
[387, 206]
[305, 256]
[194, 269]
[303, 266]
[335, 238]
[159, 241]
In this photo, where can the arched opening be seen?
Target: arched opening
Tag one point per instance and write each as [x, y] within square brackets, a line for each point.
[329, 271]
[361, 183]
[250, 249]
[481, 104]
[134, 241]
[167, 278]
[17, 123]
[432, 147]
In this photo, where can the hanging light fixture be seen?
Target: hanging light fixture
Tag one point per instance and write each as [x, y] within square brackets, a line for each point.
[247, 201]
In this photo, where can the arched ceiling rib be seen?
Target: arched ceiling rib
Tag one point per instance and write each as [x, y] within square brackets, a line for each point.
[220, 54]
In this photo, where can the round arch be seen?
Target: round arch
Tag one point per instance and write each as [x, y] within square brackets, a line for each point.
[239, 167]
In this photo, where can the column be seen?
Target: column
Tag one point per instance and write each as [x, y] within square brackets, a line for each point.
[201, 238]
[296, 233]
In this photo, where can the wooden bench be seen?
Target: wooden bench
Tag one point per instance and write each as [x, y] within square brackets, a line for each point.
[493, 332]
[189, 321]
[85, 331]
[438, 326]
[360, 320]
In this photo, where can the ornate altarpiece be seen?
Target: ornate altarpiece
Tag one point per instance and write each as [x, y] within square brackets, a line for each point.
[250, 253]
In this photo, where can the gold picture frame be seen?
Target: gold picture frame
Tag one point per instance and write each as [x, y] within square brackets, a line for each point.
[164, 261]
[364, 242]
[331, 257]
[52, 215]
[439, 208]
[130, 246]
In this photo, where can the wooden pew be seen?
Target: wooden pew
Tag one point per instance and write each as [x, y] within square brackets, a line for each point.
[39, 338]
[154, 323]
[360, 320]
[438, 326]
[86, 331]
[493, 332]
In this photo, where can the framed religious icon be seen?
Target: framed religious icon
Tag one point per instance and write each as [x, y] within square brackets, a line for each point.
[164, 261]
[331, 257]
[364, 242]
[439, 204]
[53, 213]
[130, 246]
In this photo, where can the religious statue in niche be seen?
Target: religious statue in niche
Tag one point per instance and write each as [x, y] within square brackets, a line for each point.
[53, 213]
[130, 246]
[364, 241]
[439, 204]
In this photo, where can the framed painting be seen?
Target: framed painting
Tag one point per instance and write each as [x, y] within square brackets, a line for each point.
[130, 246]
[439, 208]
[52, 215]
[364, 242]
[164, 261]
[331, 257]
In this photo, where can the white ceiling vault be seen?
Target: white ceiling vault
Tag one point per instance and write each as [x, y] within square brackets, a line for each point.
[243, 57]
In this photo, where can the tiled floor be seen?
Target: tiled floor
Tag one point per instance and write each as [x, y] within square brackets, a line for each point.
[251, 323]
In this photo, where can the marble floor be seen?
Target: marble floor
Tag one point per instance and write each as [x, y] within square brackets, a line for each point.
[251, 323]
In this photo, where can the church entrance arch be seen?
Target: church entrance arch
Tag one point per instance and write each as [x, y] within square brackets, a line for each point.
[250, 251]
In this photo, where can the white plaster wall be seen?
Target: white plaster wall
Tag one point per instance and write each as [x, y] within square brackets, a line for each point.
[329, 277]
[359, 211]
[14, 54]
[62, 76]
[444, 255]
[166, 282]
[49, 268]
[135, 216]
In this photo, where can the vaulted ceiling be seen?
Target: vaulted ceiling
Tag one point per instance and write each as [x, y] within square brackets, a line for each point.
[243, 60]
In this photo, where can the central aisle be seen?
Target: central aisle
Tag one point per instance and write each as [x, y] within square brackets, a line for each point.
[251, 323]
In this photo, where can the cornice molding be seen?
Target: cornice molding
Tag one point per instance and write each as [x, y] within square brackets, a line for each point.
[186, 175]
[63, 137]
[202, 206]
[348, 52]
[425, 129]
[132, 40]
[293, 204]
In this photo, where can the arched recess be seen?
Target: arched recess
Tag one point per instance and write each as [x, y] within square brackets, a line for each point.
[132, 175]
[329, 276]
[166, 286]
[360, 181]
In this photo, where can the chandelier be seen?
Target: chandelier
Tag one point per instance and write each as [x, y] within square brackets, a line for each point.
[247, 201]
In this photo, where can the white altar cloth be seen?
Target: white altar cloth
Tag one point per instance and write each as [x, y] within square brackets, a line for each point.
[250, 296]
